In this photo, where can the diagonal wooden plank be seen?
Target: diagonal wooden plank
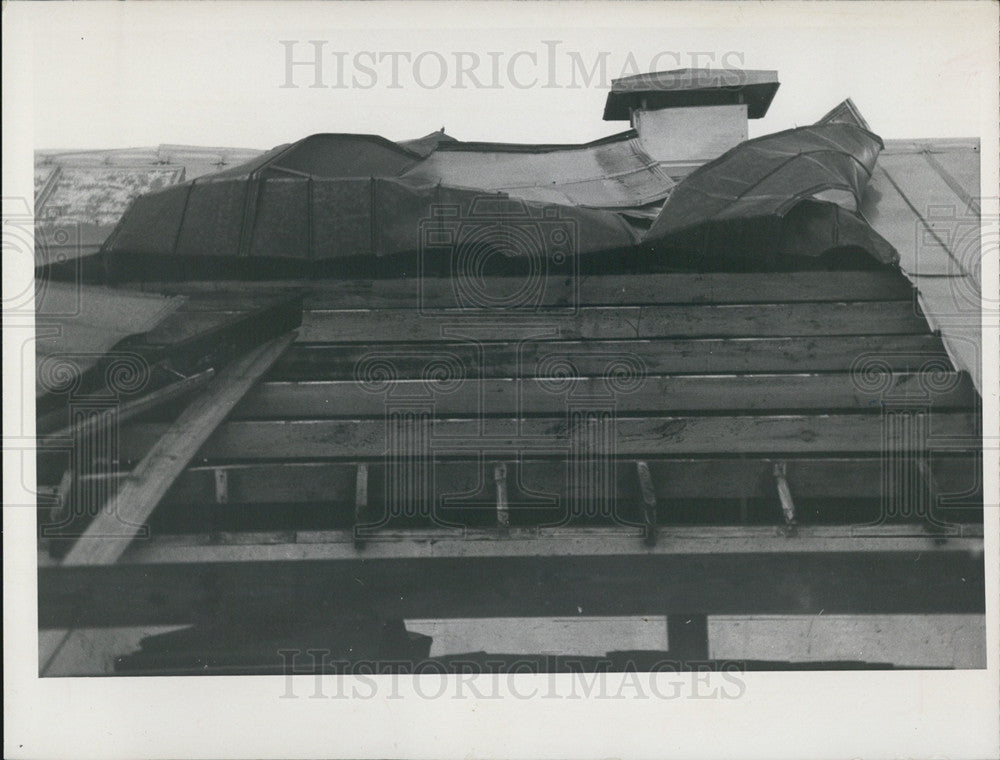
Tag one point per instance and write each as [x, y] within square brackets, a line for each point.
[107, 537]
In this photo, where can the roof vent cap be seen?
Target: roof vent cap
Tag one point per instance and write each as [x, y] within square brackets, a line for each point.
[683, 88]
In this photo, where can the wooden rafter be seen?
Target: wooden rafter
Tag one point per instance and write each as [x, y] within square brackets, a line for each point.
[736, 571]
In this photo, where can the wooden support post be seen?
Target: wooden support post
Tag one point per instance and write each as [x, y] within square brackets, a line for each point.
[360, 504]
[785, 495]
[123, 516]
[824, 569]
[503, 512]
[931, 522]
[221, 485]
[648, 502]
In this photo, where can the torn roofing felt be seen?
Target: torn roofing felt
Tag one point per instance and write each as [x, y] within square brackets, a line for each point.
[79, 326]
[337, 196]
[612, 173]
[791, 194]
[427, 144]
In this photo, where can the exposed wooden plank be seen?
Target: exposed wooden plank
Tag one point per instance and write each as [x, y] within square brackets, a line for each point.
[123, 517]
[659, 357]
[526, 577]
[592, 290]
[415, 543]
[626, 322]
[636, 436]
[840, 391]
[673, 479]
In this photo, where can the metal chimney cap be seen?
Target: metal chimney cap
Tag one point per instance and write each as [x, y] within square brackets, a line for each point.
[692, 87]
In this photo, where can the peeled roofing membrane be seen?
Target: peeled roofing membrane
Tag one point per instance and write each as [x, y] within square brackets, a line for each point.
[792, 194]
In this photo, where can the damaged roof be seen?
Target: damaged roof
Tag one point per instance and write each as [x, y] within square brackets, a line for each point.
[338, 196]
[818, 172]
[613, 172]
[80, 325]
[799, 193]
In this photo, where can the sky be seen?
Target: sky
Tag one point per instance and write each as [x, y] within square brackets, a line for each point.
[216, 74]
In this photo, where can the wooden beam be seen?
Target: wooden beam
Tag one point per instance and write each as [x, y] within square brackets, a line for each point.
[631, 322]
[525, 576]
[637, 436]
[120, 520]
[710, 478]
[528, 541]
[591, 290]
[660, 357]
[841, 391]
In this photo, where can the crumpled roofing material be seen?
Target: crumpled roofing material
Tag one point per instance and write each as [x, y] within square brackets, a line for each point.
[78, 325]
[328, 197]
[611, 173]
[795, 192]
[427, 144]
